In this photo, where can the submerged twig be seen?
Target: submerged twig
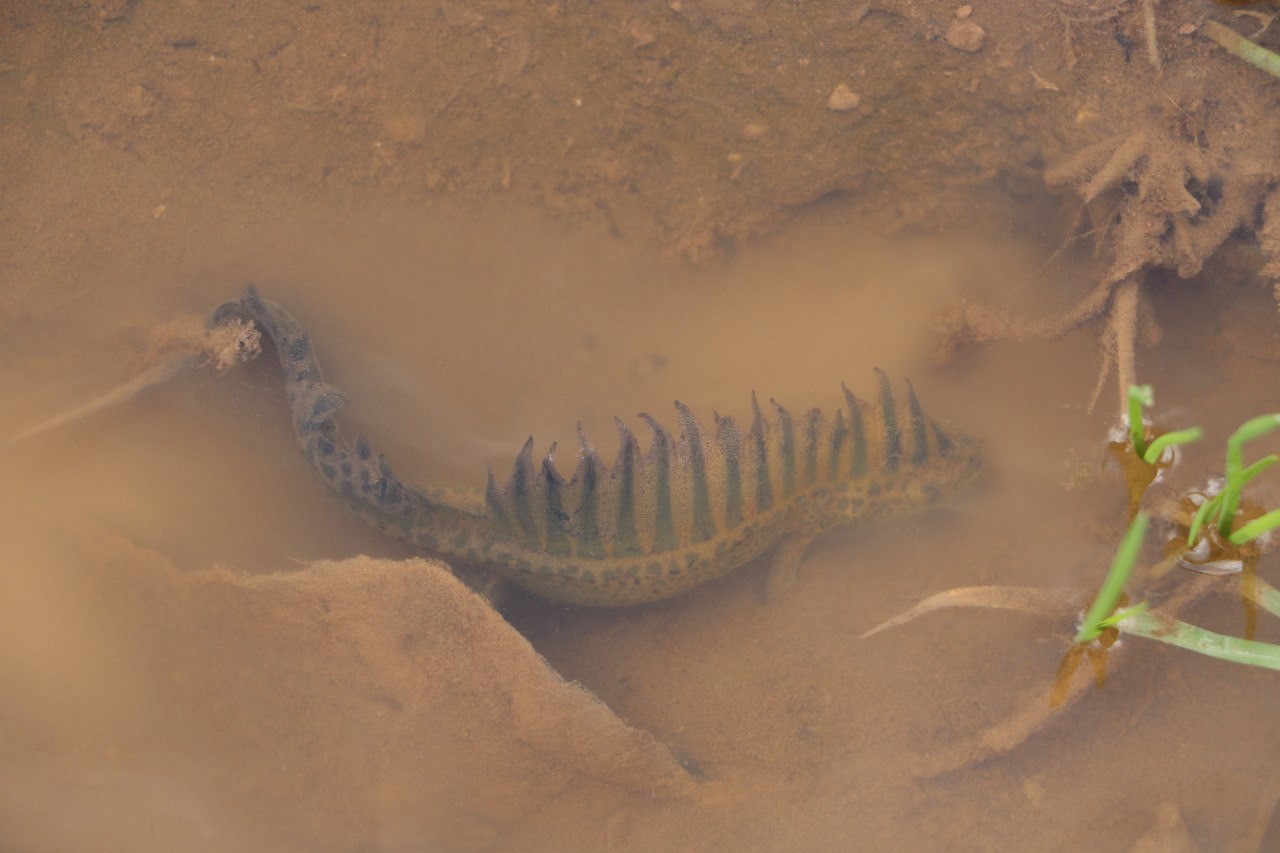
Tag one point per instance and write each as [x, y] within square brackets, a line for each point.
[1123, 332]
[1149, 31]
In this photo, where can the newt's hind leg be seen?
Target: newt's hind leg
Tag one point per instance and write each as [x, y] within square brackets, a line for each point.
[784, 567]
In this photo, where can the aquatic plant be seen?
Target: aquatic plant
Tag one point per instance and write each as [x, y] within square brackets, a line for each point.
[1237, 475]
[1140, 621]
[1217, 514]
[1146, 452]
[1151, 448]
[1207, 541]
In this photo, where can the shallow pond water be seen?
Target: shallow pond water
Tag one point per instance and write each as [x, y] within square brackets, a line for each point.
[181, 673]
[486, 330]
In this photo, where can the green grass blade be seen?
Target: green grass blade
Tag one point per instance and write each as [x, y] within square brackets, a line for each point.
[1113, 585]
[1157, 448]
[1249, 652]
[1257, 527]
[1258, 467]
[1139, 396]
[1248, 431]
[1255, 428]
[1208, 508]
[1120, 615]
[1231, 489]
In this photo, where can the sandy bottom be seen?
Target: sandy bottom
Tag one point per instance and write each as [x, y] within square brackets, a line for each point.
[185, 669]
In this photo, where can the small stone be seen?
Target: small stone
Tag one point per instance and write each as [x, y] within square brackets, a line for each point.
[138, 103]
[843, 99]
[642, 35]
[1187, 29]
[965, 34]
[964, 11]
[1042, 83]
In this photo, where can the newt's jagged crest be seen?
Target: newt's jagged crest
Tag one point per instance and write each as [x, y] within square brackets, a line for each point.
[688, 491]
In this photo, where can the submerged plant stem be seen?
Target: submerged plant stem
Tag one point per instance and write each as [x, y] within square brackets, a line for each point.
[1255, 55]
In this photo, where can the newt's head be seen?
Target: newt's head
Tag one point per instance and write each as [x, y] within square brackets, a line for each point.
[954, 464]
[912, 461]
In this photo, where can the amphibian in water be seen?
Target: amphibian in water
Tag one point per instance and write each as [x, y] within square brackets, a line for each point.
[655, 524]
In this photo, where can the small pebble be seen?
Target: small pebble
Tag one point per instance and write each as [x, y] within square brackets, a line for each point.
[843, 99]
[964, 11]
[966, 35]
[1187, 29]
[1042, 83]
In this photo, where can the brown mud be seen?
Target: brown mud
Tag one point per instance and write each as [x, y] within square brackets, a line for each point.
[499, 218]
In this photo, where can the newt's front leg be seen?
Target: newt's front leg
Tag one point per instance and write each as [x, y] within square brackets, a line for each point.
[784, 566]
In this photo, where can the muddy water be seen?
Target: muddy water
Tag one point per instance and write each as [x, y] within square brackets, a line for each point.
[457, 333]
[179, 673]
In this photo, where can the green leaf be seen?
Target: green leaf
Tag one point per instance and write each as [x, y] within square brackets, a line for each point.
[1248, 431]
[1206, 509]
[1175, 633]
[1257, 527]
[1157, 448]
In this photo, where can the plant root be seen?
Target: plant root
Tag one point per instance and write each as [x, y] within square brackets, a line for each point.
[1164, 194]
[970, 323]
[180, 351]
[1118, 341]
[1034, 710]
[1039, 706]
[1269, 239]
[1120, 302]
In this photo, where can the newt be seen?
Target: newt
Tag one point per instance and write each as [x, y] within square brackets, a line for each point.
[656, 523]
